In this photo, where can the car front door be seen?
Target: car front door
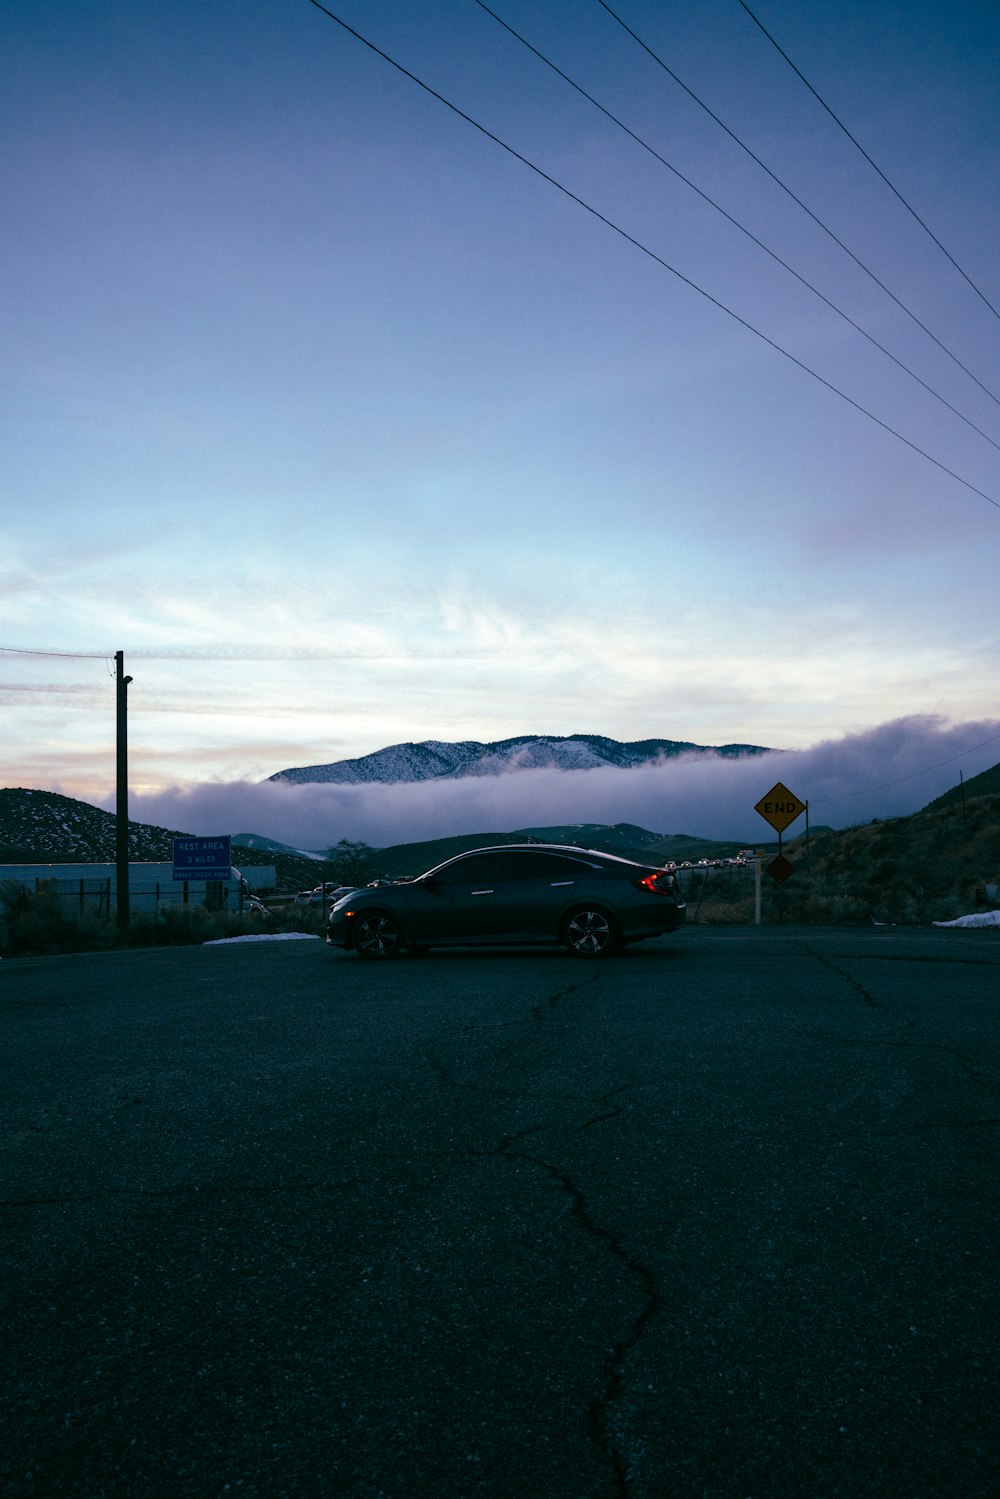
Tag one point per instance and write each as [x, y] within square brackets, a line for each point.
[460, 900]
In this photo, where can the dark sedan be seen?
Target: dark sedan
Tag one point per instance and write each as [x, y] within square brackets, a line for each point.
[522, 893]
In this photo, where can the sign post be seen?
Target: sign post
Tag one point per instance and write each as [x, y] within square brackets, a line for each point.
[121, 800]
[780, 807]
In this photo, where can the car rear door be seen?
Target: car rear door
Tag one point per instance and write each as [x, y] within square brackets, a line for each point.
[536, 889]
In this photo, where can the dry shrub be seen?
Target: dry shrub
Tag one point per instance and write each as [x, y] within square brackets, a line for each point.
[33, 921]
[37, 923]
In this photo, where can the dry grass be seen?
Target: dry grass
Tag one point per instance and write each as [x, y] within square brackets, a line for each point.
[37, 922]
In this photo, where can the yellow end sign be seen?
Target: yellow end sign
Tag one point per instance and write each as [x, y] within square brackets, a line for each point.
[780, 807]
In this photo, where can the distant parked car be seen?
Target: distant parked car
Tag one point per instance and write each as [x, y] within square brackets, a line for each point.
[316, 897]
[592, 903]
[340, 892]
[309, 897]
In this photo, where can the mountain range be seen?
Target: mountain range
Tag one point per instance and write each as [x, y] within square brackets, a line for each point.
[434, 759]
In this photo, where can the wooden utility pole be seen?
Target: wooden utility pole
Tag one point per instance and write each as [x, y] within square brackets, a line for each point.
[121, 802]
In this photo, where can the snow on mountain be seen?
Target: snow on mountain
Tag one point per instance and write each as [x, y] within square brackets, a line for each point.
[433, 759]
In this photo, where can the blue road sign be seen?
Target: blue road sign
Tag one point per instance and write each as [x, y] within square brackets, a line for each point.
[202, 858]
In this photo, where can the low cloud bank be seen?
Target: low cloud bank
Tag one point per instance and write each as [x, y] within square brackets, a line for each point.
[884, 772]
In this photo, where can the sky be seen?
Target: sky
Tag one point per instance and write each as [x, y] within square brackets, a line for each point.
[352, 422]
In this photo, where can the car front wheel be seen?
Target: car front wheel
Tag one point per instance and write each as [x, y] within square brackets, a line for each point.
[590, 934]
[377, 936]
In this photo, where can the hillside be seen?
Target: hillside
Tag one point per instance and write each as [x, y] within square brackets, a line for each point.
[935, 865]
[625, 839]
[43, 827]
[982, 785]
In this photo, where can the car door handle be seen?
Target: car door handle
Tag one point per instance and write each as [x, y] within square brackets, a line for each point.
[561, 884]
[482, 892]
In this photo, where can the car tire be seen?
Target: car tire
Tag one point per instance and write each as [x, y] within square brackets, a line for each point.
[376, 937]
[588, 933]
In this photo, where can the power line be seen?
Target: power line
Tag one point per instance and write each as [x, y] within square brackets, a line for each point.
[14, 650]
[845, 796]
[874, 165]
[795, 199]
[736, 223]
[238, 653]
[658, 259]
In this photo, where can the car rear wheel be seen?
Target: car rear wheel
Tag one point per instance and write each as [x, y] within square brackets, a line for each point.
[590, 934]
[377, 936]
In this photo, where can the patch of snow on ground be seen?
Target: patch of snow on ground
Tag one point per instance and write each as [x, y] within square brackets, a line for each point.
[983, 918]
[266, 937]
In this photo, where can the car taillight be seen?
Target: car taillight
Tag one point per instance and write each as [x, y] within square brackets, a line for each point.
[659, 883]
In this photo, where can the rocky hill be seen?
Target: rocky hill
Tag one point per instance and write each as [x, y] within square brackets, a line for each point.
[43, 827]
[934, 865]
[433, 759]
[986, 784]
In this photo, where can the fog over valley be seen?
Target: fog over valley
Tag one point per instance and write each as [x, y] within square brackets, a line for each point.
[888, 771]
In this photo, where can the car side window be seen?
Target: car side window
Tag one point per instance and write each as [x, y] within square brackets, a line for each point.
[477, 869]
[539, 866]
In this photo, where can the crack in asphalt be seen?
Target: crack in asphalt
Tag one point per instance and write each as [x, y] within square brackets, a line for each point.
[520, 1095]
[552, 1003]
[949, 961]
[971, 1068]
[967, 1064]
[597, 1416]
[940, 1124]
[855, 984]
[614, 1111]
[598, 1412]
[536, 1013]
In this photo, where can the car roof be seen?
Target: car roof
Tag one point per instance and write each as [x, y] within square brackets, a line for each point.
[570, 849]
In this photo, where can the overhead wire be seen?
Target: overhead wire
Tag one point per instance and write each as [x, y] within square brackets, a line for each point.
[240, 654]
[652, 254]
[795, 199]
[742, 228]
[925, 770]
[873, 164]
[14, 650]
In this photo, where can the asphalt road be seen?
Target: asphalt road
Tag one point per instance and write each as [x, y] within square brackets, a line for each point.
[713, 1220]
